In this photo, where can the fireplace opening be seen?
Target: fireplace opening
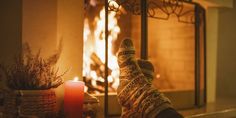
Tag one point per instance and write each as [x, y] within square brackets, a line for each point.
[175, 44]
[94, 50]
[120, 26]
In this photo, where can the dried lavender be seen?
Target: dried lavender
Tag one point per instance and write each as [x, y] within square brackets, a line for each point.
[32, 72]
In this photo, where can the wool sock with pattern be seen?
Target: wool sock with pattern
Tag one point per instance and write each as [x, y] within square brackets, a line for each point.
[147, 69]
[135, 93]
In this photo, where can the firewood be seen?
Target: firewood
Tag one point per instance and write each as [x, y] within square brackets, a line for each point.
[98, 65]
[94, 88]
[96, 59]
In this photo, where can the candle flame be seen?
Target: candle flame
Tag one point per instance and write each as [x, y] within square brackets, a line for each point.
[76, 79]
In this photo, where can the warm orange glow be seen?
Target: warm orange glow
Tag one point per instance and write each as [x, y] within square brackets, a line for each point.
[76, 79]
[94, 42]
[113, 3]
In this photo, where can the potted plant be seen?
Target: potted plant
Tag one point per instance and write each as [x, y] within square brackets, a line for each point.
[31, 80]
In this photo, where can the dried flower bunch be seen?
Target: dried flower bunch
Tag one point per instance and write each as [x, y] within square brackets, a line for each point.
[32, 72]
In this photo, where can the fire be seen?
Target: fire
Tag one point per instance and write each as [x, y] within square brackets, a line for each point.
[94, 47]
[76, 79]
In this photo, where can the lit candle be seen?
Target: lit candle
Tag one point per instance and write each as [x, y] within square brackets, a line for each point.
[74, 98]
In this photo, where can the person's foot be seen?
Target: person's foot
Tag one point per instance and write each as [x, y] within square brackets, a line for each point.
[135, 93]
[131, 76]
[147, 69]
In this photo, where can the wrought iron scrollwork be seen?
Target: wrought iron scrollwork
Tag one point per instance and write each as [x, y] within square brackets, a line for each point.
[131, 6]
[158, 9]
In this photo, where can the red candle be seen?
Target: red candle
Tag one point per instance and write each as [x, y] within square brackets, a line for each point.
[74, 98]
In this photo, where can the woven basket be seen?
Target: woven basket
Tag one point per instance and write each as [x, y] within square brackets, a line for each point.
[34, 103]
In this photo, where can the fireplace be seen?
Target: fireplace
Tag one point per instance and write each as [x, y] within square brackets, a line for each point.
[169, 33]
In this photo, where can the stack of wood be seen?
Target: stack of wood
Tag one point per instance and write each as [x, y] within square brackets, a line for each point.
[99, 67]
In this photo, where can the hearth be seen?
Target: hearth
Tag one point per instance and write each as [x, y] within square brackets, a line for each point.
[169, 33]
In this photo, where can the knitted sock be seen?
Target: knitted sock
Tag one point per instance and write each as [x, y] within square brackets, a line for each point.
[135, 94]
[147, 69]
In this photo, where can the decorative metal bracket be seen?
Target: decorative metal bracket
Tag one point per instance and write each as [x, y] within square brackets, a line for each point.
[158, 9]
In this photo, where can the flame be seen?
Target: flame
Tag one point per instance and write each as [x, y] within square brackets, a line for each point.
[85, 88]
[94, 42]
[86, 30]
[113, 3]
[76, 79]
[99, 33]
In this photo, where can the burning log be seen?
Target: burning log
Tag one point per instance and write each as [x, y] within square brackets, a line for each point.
[98, 65]
[100, 86]
[93, 88]
[96, 59]
[93, 63]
